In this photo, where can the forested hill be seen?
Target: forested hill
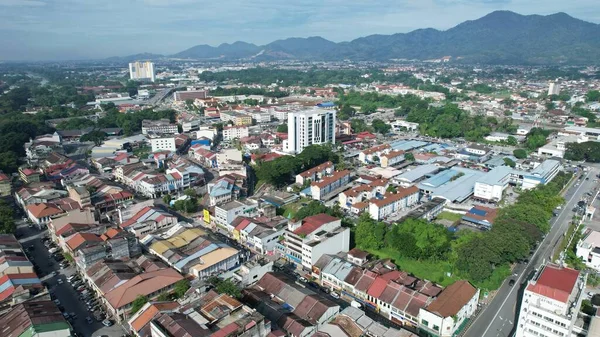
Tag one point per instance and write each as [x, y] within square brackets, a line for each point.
[501, 37]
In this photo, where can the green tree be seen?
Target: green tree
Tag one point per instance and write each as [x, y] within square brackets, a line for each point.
[520, 153]
[7, 221]
[409, 156]
[358, 125]
[512, 141]
[225, 287]
[381, 126]
[95, 136]
[592, 96]
[138, 303]
[167, 199]
[509, 162]
[181, 287]
[190, 192]
[282, 128]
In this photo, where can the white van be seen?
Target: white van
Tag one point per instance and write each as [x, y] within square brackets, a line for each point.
[355, 304]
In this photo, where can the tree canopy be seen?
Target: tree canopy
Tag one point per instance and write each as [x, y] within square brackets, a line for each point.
[588, 151]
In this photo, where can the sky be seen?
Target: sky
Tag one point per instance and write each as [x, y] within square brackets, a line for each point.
[95, 29]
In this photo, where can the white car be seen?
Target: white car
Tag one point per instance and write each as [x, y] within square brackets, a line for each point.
[335, 295]
[60, 281]
[303, 279]
[106, 322]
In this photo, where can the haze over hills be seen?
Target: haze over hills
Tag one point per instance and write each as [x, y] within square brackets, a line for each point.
[501, 37]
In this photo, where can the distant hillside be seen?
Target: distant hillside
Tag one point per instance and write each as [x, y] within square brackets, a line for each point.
[499, 37]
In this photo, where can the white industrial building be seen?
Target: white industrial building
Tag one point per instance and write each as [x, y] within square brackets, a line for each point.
[309, 127]
[551, 303]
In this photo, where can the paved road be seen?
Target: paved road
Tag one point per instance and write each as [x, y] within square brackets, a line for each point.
[68, 297]
[499, 317]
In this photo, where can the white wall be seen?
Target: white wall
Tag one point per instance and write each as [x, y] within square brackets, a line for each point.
[163, 144]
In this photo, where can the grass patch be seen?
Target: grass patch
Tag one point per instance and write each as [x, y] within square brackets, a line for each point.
[434, 271]
[565, 240]
[290, 210]
[454, 217]
[142, 152]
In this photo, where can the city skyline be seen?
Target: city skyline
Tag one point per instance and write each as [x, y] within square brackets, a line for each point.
[59, 30]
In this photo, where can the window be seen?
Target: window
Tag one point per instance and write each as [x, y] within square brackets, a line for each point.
[424, 322]
[436, 328]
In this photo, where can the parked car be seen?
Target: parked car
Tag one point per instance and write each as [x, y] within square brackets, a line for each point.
[335, 295]
[106, 322]
[60, 281]
[303, 279]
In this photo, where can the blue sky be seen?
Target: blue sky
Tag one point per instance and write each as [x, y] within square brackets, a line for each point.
[84, 29]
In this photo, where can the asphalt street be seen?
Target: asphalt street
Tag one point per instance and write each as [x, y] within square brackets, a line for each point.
[68, 297]
[498, 319]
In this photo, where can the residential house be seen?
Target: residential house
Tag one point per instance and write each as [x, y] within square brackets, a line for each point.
[315, 173]
[148, 220]
[35, 318]
[226, 213]
[235, 132]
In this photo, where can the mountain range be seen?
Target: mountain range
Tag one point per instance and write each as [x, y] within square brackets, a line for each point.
[501, 37]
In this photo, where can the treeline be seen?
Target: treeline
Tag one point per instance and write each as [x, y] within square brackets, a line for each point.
[516, 230]
[370, 101]
[588, 151]
[472, 255]
[450, 121]
[282, 171]
[220, 91]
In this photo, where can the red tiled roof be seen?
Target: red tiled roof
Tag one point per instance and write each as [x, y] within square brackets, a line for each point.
[80, 238]
[377, 287]
[43, 210]
[319, 168]
[452, 299]
[3, 177]
[555, 282]
[331, 179]
[393, 197]
[312, 223]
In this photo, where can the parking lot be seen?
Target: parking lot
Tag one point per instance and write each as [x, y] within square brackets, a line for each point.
[67, 298]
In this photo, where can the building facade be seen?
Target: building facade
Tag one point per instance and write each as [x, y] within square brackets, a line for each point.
[142, 71]
[310, 127]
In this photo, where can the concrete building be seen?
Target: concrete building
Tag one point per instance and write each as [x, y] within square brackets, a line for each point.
[226, 213]
[233, 132]
[553, 88]
[392, 203]
[330, 185]
[163, 144]
[182, 96]
[551, 303]
[317, 172]
[142, 71]
[307, 240]
[588, 249]
[310, 127]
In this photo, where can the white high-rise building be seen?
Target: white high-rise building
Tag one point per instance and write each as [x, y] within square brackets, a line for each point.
[308, 127]
[142, 71]
[551, 302]
[554, 89]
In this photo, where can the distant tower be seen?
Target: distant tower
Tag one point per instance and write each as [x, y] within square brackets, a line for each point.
[141, 71]
[553, 89]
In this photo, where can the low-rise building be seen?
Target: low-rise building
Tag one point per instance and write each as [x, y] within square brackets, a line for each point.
[35, 318]
[391, 158]
[391, 203]
[315, 173]
[235, 132]
[226, 213]
[329, 185]
[5, 185]
[161, 126]
[588, 249]
[446, 313]
[148, 220]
